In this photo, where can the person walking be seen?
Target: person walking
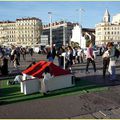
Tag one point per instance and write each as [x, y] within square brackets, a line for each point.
[113, 58]
[4, 67]
[18, 53]
[53, 50]
[74, 53]
[69, 58]
[106, 60]
[80, 55]
[14, 57]
[60, 57]
[90, 58]
[31, 51]
[50, 55]
[23, 52]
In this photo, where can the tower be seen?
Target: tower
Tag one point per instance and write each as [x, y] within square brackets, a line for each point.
[106, 17]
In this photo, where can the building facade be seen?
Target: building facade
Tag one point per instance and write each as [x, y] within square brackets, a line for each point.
[44, 40]
[64, 29]
[116, 19]
[25, 31]
[60, 31]
[7, 32]
[107, 31]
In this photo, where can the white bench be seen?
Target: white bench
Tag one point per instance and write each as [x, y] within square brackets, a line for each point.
[33, 85]
[60, 82]
[30, 86]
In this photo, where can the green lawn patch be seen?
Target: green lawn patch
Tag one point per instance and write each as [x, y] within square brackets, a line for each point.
[11, 93]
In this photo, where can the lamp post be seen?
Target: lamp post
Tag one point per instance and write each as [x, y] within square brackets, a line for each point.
[50, 16]
[80, 11]
[33, 34]
[64, 35]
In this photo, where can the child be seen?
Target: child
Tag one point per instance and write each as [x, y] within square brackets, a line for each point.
[46, 76]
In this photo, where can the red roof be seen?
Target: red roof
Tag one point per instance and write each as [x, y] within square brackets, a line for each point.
[38, 69]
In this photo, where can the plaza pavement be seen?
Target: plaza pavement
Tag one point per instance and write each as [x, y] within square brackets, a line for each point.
[102, 104]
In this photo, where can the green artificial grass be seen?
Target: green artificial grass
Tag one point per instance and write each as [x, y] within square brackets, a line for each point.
[11, 93]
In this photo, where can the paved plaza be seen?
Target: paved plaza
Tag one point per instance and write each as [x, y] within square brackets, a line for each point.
[101, 104]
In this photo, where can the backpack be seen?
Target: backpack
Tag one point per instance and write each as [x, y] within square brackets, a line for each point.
[117, 53]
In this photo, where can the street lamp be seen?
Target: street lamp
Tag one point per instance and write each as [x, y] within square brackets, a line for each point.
[80, 15]
[80, 11]
[50, 16]
[64, 35]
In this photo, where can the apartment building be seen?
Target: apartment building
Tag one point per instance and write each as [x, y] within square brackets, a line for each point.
[24, 31]
[7, 32]
[107, 31]
[59, 31]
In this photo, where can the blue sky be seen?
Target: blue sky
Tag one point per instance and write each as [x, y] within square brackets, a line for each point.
[93, 11]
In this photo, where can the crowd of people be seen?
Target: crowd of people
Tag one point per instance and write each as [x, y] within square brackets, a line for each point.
[12, 55]
[110, 56]
[68, 56]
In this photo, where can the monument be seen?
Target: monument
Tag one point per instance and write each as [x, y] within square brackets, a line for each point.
[77, 36]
